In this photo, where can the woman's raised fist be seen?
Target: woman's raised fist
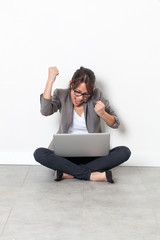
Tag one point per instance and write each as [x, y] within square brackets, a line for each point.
[52, 73]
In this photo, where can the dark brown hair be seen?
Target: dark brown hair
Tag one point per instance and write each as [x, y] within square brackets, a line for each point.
[83, 75]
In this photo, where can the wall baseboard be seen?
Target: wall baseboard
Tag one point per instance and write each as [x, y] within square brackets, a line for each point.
[26, 158]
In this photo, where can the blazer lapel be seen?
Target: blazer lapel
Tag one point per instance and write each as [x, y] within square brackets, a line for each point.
[69, 113]
[88, 118]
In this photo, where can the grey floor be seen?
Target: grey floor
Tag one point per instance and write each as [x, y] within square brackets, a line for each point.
[35, 207]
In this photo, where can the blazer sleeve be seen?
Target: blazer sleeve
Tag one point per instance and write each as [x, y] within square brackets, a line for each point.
[50, 106]
[108, 108]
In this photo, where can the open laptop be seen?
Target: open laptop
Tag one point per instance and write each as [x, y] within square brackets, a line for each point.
[82, 145]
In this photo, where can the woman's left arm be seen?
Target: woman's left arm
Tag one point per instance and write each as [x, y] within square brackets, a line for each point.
[100, 110]
[104, 110]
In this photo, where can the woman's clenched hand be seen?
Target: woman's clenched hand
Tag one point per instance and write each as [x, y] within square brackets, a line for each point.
[99, 108]
[52, 73]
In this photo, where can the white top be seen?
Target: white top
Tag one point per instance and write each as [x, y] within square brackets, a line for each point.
[78, 125]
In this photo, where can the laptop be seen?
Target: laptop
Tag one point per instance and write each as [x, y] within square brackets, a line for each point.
[82, 145]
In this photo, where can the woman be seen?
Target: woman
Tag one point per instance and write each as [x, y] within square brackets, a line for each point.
[81, 106]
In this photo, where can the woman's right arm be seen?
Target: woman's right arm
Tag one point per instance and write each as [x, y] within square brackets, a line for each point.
[52, 74]
[49, 104]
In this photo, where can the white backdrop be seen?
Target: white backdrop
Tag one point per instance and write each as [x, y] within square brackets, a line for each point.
[118, 40]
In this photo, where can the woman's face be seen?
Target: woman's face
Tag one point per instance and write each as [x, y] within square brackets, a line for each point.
[79, 100]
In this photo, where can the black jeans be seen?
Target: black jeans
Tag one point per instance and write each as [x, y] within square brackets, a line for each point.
[81, 167]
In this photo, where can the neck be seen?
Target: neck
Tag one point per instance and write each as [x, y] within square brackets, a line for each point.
[79, 107]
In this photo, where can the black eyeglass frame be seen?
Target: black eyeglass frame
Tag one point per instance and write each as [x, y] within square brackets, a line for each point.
[78, 94]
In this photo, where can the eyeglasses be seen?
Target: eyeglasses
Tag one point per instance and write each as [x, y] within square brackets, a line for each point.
[78, 94]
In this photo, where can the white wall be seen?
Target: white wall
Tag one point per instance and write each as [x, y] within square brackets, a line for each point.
[118, 40]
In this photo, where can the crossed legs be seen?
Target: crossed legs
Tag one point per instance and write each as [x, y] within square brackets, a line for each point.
[85, 170]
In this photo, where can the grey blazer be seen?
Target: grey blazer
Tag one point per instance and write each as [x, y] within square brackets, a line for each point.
[61, 101]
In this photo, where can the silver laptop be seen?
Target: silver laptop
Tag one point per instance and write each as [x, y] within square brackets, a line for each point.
[82, 145]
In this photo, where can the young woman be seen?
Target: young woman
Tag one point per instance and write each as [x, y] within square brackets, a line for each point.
[81, 106]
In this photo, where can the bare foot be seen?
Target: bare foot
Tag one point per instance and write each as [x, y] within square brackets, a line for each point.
[98, 176]
[65, 175]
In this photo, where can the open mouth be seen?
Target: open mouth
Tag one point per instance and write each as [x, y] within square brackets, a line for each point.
[78, 102]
